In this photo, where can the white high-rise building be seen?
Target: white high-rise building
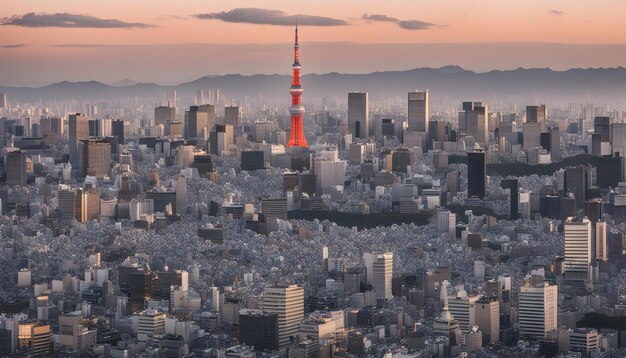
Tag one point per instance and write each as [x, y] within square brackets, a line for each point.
[537, 309]
[382, 273]
[358, 114]
[418, 112]
[577, 249]
[446, 222]
[288, 303]
[330, 172]
[462, 308]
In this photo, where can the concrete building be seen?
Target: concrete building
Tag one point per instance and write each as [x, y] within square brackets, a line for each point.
[418, 112]
[78, 129]
[74, 333]
[15, 166]
[487, 318]
[473, 121]
[577, 250]
[232, 116]
[164, 115]
[95, 158]
[537, 309]
[288, 303]
[358, 114]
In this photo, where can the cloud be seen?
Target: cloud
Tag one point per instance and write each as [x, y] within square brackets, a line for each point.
[67, 20]
[556, 12]
[405, 24]
[269, 17]
[14, 45]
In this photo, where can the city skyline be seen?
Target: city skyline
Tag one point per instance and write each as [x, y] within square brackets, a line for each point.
[166, 43]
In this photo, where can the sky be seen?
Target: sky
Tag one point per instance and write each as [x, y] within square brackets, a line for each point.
[43, 41]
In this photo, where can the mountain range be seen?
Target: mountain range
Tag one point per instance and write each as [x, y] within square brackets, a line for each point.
[603, 85]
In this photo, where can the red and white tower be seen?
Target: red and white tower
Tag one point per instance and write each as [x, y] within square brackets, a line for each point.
[296, 137]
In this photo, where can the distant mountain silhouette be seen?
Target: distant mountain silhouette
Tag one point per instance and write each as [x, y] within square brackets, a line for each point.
[124, 82]
[453, 82]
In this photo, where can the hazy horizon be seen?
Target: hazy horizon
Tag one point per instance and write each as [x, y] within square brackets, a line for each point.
[163, 42]
[145, 64]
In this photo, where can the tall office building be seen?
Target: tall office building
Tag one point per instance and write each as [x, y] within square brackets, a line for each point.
[3, 100]
[487, 318]
[232, 116]
[576, 183]
[288, 303]
[199, 120]
[67, 203]
[87, 205]
[618, 138]
[222, 137]
[358, 114]
[537, 309]
[78, 130]
[117, 130]
[578, 249]
[537, 114]
[382, 273]
[15, 167]
[258, 329]
[445, 222]
[476, 174]
[418, 112]
[513, 186]
[555, 144]
[602, 126]
[474, 121]
[164, 114]
[531, 135]
[95, 158]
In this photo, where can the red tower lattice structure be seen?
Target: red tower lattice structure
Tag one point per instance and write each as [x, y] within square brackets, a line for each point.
[296, 137]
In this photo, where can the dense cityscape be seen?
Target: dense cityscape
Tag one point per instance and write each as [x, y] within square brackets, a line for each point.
[215, 224]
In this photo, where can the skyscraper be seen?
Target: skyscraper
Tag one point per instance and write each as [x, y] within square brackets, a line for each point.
[618, 138]
[602, 126]
[474, 121]
[3, 100]
[296, 137]
[16, 168]
[537, 309]
[513, 186]
[78, 130]
[232, 116]
[576, 183]
[358, 114]
[117, 130]
[163, 114]
[578, 250]
[537, 114]
[382, 273]
[95, 158]
[288, 303]
[476, 174]
[198, 121]
[418, 113]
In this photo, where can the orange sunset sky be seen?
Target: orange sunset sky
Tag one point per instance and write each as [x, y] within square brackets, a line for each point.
[43, 41]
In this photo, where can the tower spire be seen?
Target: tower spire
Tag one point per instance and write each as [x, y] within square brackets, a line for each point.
[296, 137]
